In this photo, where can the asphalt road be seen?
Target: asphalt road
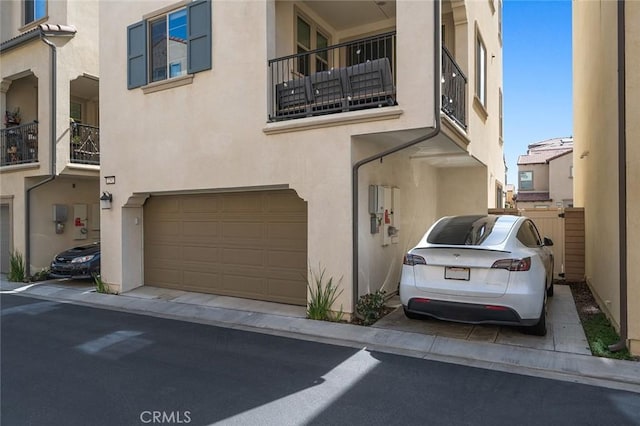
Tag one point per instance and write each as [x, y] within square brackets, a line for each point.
[63, 364]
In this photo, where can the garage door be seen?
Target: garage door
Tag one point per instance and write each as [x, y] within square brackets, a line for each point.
[248, 244]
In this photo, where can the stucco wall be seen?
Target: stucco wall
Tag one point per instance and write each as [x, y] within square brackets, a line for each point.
[75, 56]
[632, 35]
[560, 180]
[595, 145]
[540, 177]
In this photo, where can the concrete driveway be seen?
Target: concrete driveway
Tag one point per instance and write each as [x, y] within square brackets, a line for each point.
[564, 330]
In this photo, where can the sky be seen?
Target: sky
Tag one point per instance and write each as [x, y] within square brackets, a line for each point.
[537, 75]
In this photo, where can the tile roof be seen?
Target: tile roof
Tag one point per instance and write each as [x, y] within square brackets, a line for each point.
[542, 156]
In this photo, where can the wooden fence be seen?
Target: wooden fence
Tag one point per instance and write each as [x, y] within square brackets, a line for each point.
[565, 226]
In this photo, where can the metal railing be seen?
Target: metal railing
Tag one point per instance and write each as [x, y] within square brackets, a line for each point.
[454, 89]
[19, 144]
[85, 144]
[343, 77]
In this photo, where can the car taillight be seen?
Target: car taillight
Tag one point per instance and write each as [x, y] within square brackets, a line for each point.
[513, 264]
[413, 260]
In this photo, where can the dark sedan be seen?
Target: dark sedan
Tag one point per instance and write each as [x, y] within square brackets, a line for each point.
[78, 262]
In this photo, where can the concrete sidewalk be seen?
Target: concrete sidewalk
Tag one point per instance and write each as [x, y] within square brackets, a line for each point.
[561, 355]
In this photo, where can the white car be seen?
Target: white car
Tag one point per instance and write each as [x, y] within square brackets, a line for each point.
[481, 270]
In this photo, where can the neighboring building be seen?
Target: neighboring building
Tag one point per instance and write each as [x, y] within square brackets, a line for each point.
[312, 138]
[510, 203]
[606, 77]
[545, 175]
[49, 141]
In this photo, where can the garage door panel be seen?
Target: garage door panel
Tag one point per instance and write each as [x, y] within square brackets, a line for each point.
[245, 231]
[202, 254]
[251, 244]
[282, 288]
[165, 252]
[241, 203]
[201, 204]
[286, 259]
[200, 230]
[242, 257]
[164, 229]
[165, 277]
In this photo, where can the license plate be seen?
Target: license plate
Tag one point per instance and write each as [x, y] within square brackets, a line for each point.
[453, 273]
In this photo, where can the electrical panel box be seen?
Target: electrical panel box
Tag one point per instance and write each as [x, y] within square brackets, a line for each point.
[60, 213]
[80, 229]
[376, 199]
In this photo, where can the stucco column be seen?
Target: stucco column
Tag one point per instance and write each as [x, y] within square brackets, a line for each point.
[4, 88]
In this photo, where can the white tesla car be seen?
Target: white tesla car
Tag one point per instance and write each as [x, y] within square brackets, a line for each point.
[481, 270]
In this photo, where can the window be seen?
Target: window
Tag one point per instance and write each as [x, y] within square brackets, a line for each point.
[525, 180]
[309, 37]
[169, 45]
[34, 10]
[481, 70]
[499, 203]
[528, 235]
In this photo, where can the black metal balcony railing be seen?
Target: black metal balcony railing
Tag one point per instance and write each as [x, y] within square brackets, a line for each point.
[454, 88]
[343, 77]
[85, 144]
[19, 144]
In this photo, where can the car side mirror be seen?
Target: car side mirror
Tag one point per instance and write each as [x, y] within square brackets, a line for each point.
[547, 241]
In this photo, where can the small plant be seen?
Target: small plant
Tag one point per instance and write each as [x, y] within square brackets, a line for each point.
[370, 307]
[101, 286]
[16, 267]
[322, 297]
[41, 275]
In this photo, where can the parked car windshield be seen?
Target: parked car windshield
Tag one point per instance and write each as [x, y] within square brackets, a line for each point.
[470, 231]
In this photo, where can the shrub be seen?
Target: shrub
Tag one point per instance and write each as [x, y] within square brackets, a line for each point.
[370, 307]
[16, 267]
[41, 275]
[101, 286]
[322, 297]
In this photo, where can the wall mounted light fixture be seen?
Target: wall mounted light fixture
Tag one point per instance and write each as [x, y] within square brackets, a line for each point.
[105, 200]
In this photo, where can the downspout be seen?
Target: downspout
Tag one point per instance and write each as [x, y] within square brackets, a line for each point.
[52, 169]
[436, 113]
[622, 180]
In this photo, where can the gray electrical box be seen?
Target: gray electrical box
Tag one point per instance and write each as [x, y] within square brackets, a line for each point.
[60, 213]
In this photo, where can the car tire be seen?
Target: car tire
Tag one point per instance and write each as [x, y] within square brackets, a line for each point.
[412, 315]
[550, 290]
[540, 328]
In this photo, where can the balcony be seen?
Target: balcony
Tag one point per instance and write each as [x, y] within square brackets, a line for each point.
[454, 90]
[344, 77]
[19, 144]
[85, 144]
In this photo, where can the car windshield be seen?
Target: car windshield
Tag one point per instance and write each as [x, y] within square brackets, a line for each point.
[470, 231]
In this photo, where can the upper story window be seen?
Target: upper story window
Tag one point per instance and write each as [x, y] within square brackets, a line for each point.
[310, 37]
[525, 180]
[500, 20]
[481, 70]
[168, 50]
[169, 45]
[34, 10]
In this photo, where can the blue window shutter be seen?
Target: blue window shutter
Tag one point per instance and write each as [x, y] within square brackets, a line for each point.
[137, 55]
[199, 36]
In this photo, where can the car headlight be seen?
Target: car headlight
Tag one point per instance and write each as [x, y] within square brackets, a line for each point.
[82, 259]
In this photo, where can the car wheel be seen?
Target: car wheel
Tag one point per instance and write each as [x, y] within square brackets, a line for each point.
[411, 315]
[540, 328]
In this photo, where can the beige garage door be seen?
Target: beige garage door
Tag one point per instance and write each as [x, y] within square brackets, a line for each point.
[249, 244]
